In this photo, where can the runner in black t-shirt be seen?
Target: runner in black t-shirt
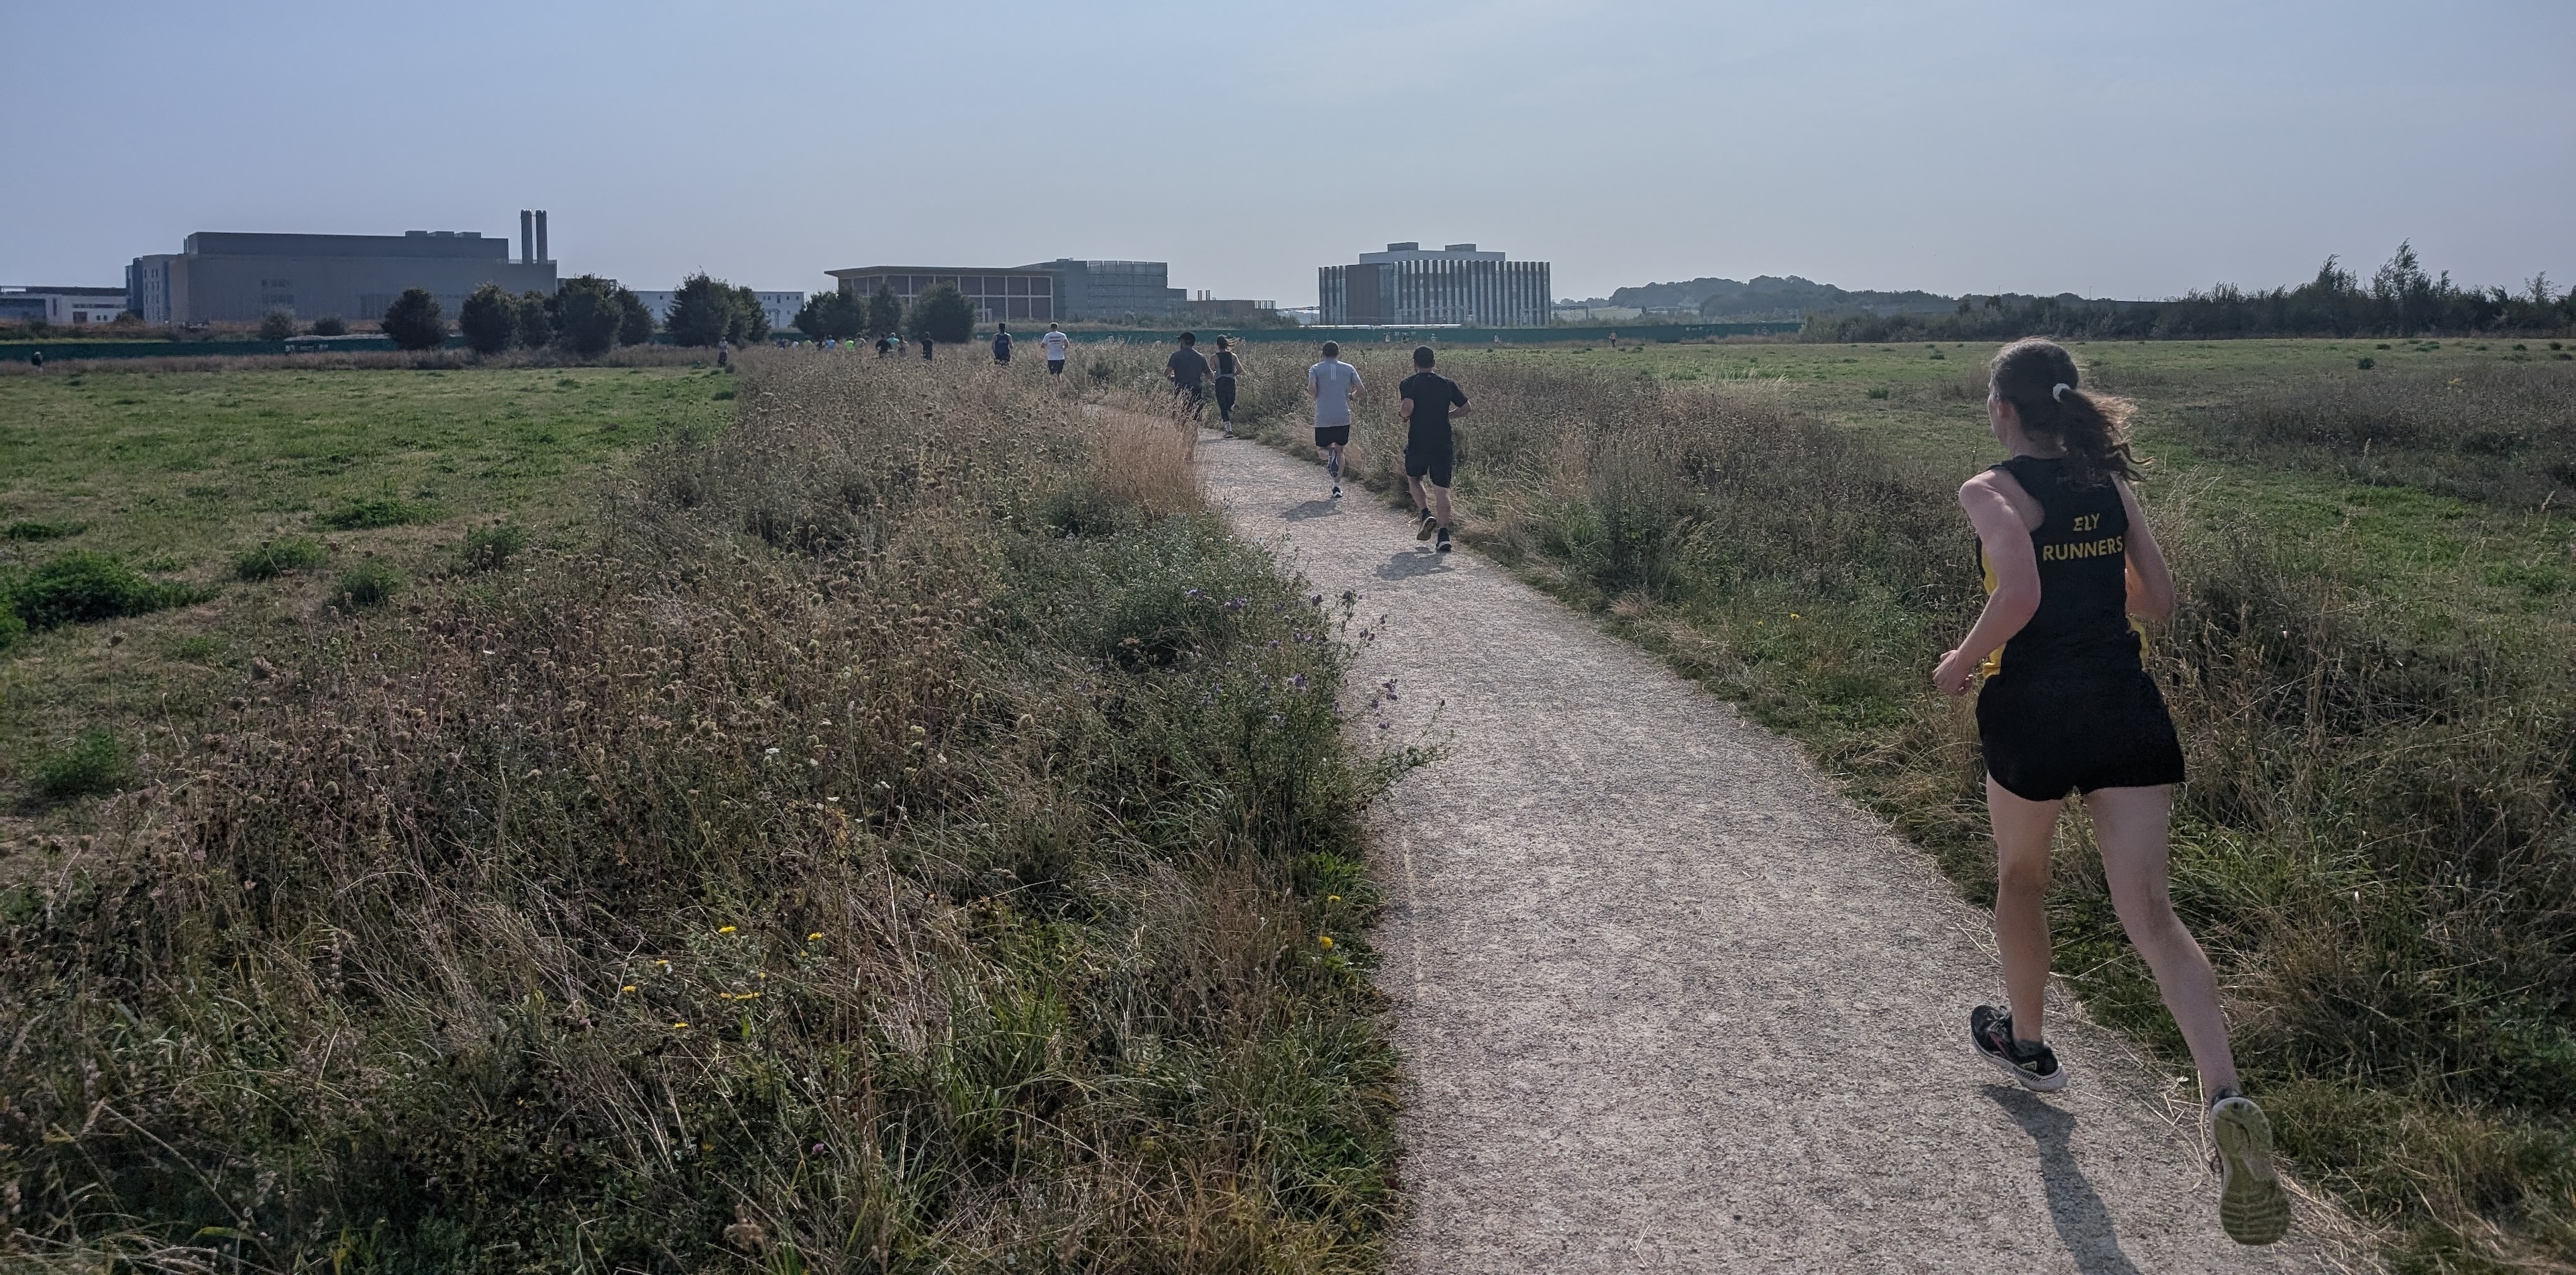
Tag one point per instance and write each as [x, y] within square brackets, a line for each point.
[1187, 370]
[1430, 452]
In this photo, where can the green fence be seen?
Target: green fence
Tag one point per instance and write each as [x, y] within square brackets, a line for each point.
[1654, 333]
[63, 351]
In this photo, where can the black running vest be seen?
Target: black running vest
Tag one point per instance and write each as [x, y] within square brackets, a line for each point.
[2083, 549]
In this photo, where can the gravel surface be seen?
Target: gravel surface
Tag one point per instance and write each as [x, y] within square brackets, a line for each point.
[1668, 1001]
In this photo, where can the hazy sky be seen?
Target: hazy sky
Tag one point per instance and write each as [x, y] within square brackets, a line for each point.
[2130, 149]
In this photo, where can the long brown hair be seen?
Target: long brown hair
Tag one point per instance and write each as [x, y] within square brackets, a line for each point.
[2038, 377]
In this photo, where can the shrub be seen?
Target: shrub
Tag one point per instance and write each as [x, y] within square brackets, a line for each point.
[588, 316]
[536, 319]
[368, 585]
[13, 629]
[885, 313]
[943, 314]
[330, 325]
[413, 321]
[703, 312]
[490, 548]
[489, 320]
[81, 586]
[276, 557]
[634, 322]
[359, 513]
[28, 530]
[277, 325]
[2367, 363]
[89, 765]
[837, 315]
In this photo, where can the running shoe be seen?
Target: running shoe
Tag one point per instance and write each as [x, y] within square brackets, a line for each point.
[2252, 1206]
[1429, 525]
[2031, 1064]
[1444, 540]
[1337, 491]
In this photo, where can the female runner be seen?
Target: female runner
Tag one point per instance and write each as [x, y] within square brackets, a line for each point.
[2067, 707]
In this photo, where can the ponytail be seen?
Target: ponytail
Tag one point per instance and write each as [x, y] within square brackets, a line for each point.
[2038, 377]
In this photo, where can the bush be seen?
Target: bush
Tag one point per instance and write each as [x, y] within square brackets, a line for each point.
[295, 553]
[368, 585]
[27, 530]
[413, 321]
[489, 320]
[81, 586]
[943, 314]
[536, 320]
[277, 325]
[330, 325]
[491, 548]
[634, 323]
[832, 315]
[702, 312]
[588, 316]
[89, 765]
[360, 513]
[885, 313]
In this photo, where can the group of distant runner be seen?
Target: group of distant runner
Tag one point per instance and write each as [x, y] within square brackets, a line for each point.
[2066, 705]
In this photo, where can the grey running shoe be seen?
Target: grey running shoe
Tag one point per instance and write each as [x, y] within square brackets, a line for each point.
[1429, 525]
[2031, 1064]
[2252, 1206]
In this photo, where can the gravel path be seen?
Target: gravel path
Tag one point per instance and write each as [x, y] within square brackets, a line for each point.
[1667, 1001]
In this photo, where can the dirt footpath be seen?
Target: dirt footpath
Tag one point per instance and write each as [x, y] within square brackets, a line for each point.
[1670, 1003]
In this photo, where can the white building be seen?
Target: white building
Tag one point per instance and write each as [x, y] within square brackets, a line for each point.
[781, 307]
[1408, 284]
[70, 306]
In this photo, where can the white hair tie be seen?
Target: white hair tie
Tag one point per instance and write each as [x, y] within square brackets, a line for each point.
[2059, 393]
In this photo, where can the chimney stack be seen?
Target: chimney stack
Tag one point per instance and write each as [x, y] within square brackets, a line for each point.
[527, 237]
[542, 254]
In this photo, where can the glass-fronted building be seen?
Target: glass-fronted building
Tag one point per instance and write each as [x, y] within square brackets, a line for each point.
[1410, 285]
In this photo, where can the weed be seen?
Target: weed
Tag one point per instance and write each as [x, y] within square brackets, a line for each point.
[363, 512]
[1878, 391]
[90, 765]
[197, 647]
[370, 584]
[276, 557]
[82, 585]
[29, 530]
[490, 548]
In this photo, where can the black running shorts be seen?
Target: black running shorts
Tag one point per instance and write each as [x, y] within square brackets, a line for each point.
[1055, 367]
[1332, 436]
[2075, 730]
[1431, 464]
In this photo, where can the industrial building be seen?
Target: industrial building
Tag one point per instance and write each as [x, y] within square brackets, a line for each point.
[1409, 285]
[780, 307]
[1062, 290]
[223, 277]
[67, 306]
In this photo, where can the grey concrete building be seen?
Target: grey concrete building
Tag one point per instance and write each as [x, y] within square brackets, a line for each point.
[72, 307]
[223, 277]
[1063, 290]
[1408, 284]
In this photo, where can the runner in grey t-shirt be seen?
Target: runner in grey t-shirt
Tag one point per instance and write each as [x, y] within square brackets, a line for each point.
[1333, 384]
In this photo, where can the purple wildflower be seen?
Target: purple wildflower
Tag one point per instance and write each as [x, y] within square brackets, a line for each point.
[1297, 682]
[1195, 593]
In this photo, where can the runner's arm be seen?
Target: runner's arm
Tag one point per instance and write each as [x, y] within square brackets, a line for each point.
[1457, 404]
[2151, 586]
[2006, 542]
[1404, 411]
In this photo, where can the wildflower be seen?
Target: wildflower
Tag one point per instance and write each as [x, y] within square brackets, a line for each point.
[1297, 682]
[1315, 599]
[1793, 615]
[772, 752]
[1195, 593]
[1332, 898]
[1237, 604]
[724, 929]
[679, 1027]
[1277, 720]
[815, 937]
[1324, 941]
[818, 1148]
[663, 964]
[628, 988]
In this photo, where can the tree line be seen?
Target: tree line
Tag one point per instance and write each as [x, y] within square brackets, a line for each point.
[942, 314]
[587, 316]
[2401, 299]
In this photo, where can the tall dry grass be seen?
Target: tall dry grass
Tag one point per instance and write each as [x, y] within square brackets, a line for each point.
[898, 843]
[2377, 841]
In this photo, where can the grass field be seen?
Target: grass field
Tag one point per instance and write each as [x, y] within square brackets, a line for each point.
[874, 834]
[2369, 670]
[179, 475]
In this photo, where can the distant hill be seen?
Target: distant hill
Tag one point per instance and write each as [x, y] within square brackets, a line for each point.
[1773, 297]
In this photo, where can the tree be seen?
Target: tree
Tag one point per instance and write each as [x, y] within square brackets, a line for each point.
[751, 323]
[489, 319]
[277, 325]
[536, 320]
[885, 313]
[836, 314]
[414, 321]
[588, 315]
[702, 312]
[327, 325]
[943, 314]
[635, 323]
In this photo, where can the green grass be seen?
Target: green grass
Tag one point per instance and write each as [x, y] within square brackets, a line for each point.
[236, 484]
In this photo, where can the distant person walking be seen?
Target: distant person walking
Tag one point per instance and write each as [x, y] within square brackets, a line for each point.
[1002, 344]
[2068, 707]
[1057, 345]
[926, 344]
[1187, 370]
[1428, 401]
[36, 359]
[1228, 363]
[724, 352]
[1332, 384]
[885, 345]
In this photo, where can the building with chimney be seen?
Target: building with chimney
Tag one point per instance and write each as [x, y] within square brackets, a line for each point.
[228, 277]
[1408, 285]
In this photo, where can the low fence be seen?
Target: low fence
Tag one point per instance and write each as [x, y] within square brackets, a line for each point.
[59, 351]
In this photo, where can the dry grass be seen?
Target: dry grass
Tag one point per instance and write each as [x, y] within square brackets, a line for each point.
[897, 843]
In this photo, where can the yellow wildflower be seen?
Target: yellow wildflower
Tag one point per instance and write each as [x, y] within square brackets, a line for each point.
[1324, 941]
[815, 937]
[724, 929]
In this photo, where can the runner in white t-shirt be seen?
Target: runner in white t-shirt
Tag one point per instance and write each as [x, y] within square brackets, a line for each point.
[1056, 344]
[1333, 384]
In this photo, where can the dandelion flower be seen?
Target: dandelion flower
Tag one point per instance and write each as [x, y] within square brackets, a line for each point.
[679, 1027]
[815, 937]
[724, 929]
[1324, 941]
[663, 964]
[1332, 898]
[628, 988]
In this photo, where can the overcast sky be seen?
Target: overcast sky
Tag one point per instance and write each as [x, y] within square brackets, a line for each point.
[2133, 149]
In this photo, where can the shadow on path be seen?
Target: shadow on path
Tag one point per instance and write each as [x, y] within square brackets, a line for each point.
[2074, 1207]
[1410, 564]
[1312, 509]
